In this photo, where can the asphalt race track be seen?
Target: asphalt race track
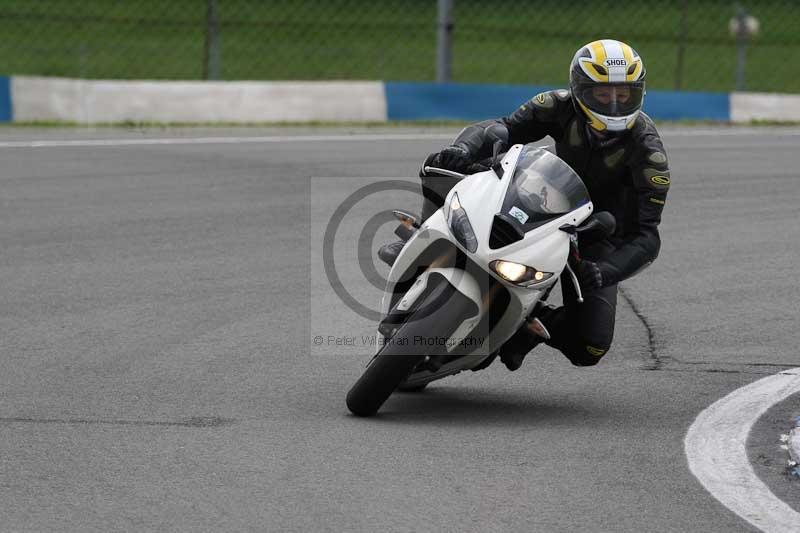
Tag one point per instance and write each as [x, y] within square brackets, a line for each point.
[160, 304]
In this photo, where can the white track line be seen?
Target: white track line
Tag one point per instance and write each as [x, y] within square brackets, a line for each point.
[405, 137]
[69, 143]
[716, 449]
[731, 132]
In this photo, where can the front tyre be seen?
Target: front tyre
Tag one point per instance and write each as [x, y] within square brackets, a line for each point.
[442, 310]
[411, 388]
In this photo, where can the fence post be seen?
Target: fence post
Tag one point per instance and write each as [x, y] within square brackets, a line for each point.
[741, 45]
[444, 42]
[683, 32]
[211, 55]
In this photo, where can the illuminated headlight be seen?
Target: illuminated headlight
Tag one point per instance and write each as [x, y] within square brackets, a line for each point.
[519, 274]
[455, 203]
[459, 224]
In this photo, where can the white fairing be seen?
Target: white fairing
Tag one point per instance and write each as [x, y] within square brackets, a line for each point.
[544, 248]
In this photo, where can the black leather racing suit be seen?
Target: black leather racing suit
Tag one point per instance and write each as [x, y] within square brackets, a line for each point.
[626, 175]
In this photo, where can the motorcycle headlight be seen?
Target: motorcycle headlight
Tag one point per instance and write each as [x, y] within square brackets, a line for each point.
[459, 224]
[519, 274]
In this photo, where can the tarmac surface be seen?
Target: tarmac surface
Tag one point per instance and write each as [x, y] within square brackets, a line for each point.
[160, 305]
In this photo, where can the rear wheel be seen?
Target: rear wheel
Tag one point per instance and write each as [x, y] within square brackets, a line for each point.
[441, 312]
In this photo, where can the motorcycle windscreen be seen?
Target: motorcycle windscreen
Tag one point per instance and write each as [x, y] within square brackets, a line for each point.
[542, 188]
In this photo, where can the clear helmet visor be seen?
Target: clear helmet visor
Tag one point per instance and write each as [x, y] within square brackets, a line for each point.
[613, 99]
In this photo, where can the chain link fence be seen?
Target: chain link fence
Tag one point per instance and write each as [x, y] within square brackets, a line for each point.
[685, 44]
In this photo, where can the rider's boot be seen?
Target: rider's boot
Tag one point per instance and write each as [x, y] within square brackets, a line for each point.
[388, 252]
[532, 333]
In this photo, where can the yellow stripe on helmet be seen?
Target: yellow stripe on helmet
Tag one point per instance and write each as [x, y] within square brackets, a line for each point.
[627, 52]
[632, 60]
[598, 52]
[594, 67]
[637, 71]
[594, 70]
[594, 122]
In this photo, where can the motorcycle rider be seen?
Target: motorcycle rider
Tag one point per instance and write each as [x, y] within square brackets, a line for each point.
[601, 132]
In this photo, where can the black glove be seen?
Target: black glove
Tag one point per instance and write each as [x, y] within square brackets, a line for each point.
[480, 166]
[455, 158]
[590, 275]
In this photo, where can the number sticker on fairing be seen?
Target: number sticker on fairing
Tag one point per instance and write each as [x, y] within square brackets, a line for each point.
[519, 214]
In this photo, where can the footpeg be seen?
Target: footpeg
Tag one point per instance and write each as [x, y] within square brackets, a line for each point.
[408, 219]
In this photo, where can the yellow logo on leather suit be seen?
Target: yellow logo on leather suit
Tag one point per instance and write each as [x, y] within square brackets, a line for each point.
[660, 180]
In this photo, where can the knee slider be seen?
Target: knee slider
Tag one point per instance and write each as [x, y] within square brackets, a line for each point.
[586, 354]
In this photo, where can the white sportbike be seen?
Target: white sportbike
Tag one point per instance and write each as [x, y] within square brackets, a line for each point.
[467, 278]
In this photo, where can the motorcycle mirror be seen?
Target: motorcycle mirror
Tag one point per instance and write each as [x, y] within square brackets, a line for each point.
[602, 222]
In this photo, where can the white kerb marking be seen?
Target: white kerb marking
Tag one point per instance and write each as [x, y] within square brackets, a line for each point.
[716, 449]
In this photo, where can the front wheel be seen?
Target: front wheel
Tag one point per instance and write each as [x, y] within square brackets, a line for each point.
[440, 313]
[411, 388]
